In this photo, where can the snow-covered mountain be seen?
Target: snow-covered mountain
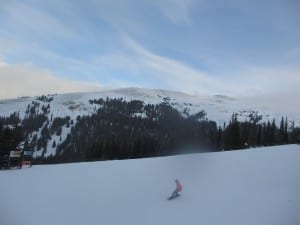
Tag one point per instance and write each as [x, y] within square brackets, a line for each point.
[250, 187]
[218, 108]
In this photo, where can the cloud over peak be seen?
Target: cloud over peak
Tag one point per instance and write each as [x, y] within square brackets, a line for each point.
[25, 80]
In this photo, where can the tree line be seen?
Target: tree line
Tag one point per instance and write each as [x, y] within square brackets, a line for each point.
[132, 129]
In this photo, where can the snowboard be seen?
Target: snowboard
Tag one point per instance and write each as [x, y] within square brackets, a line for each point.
[172, 197]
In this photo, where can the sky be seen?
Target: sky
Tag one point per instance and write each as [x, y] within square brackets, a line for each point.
[234, 47]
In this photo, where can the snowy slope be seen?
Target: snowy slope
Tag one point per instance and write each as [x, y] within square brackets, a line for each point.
[219, 108]
[250, 187]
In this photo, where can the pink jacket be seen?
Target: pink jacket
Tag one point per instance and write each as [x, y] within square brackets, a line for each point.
[178, 186]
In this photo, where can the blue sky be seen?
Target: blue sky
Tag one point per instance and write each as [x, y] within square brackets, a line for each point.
[234, 47]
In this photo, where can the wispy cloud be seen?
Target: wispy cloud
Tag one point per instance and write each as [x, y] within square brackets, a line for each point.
[160, 71]
[178, 11]
[157, 70]
[172, 72]
[36, 21]
[158, 44]
[25, 80]
[293, 53]
[258, 80]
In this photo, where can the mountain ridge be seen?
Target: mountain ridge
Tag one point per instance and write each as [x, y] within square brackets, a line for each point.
[60, 113]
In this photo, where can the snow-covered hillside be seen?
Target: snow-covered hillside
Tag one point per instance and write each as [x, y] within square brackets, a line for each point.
[218, 108]
[251, 187]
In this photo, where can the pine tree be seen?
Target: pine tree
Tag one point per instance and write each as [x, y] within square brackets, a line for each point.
[286, 136]
[53, 144]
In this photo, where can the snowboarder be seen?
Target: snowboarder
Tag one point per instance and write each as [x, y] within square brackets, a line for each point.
[177, 190]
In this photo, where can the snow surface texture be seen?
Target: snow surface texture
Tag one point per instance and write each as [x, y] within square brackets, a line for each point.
[250, 187]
